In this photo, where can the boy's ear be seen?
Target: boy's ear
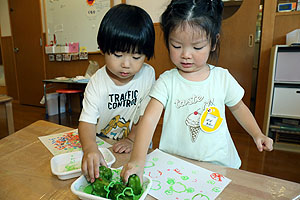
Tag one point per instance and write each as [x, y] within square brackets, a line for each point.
[215, 46]
[101, 52]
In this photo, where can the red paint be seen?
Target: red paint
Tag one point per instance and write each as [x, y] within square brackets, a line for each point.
[217, 177]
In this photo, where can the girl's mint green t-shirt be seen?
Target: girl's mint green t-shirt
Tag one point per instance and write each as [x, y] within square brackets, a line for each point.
[194, 124]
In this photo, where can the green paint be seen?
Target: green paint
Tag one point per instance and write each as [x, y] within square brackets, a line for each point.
[169, 192]
[171, 181]
[202, 196]
[88, 189]
[174, 184]
[127, 191]
[149, 164]
[178, 185]
[155, 159]
[72, 165]
[156, 185]
[190, 190]
[211, 182]
[117, 171]
[216, 189]
[116, 175]
[170, 162]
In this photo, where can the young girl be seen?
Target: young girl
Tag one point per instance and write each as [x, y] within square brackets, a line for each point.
[117, 94]
[194, 94]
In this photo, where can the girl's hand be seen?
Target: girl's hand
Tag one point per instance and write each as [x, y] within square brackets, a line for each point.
[132, 168]
[90, 164]
[123, 146]
[263, 143]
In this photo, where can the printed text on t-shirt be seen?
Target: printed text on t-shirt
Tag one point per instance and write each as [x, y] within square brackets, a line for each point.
[126, 99]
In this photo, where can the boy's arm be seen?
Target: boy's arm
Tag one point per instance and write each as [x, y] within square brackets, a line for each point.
[144, 134]
[243, 115]
[87, 135]
[92, 157]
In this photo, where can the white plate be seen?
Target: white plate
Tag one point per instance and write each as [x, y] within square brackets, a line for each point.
[68, 165]
[79, 184]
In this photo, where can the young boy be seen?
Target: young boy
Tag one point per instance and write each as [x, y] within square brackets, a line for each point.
[117, 94]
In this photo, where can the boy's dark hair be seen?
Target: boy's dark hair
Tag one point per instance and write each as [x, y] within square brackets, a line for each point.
[203, 14]
[127, 28]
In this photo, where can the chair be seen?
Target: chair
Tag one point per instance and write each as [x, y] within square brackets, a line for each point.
[68, 93]
[6, 100]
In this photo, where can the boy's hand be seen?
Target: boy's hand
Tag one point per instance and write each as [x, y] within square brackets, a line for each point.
[90, 164]
[132, 168]
[123, 146]
[263, 143]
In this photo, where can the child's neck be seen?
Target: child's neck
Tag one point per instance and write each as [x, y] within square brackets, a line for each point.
[120, 82]
[197, 76]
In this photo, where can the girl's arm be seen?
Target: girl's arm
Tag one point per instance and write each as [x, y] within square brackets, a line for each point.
[92, 157]
[243, 115]
[144, 134]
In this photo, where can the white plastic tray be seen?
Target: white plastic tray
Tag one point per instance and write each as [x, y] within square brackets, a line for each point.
[68, 165]
[79, 184]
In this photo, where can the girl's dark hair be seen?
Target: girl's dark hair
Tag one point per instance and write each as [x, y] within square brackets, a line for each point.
[127, 28]
[203, 14]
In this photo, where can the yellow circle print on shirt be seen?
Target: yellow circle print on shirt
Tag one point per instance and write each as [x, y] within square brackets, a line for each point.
[210, 120]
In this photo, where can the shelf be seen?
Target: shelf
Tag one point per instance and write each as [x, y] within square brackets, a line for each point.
[284, 116]
[287, 13]
[283, 128]
[287, 147]
[286, 140]
[287, 82]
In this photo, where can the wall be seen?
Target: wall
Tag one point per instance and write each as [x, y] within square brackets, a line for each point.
[77, 26]
[154, 8]
[160, 61]
[69, 69]
[7, 48]
[4, 19]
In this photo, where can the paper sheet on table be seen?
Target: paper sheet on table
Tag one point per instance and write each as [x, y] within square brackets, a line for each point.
[174, 178]
[67, 142]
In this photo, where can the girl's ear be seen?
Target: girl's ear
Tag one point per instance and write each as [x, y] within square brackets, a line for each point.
[217, 39]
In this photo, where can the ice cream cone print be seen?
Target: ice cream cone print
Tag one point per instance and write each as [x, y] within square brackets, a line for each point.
[193, 122]
[194, 131]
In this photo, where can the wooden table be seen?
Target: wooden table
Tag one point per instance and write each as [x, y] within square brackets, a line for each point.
[25, 171]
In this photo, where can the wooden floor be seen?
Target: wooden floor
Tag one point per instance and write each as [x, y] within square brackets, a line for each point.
[280, 164]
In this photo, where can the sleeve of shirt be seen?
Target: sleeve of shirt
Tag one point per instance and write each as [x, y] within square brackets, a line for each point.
[160, 91]
[146, 98]
[90, 110]
[234, 92]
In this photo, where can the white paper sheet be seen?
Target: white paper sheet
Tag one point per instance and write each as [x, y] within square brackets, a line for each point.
[176, 179]
[67, 142]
